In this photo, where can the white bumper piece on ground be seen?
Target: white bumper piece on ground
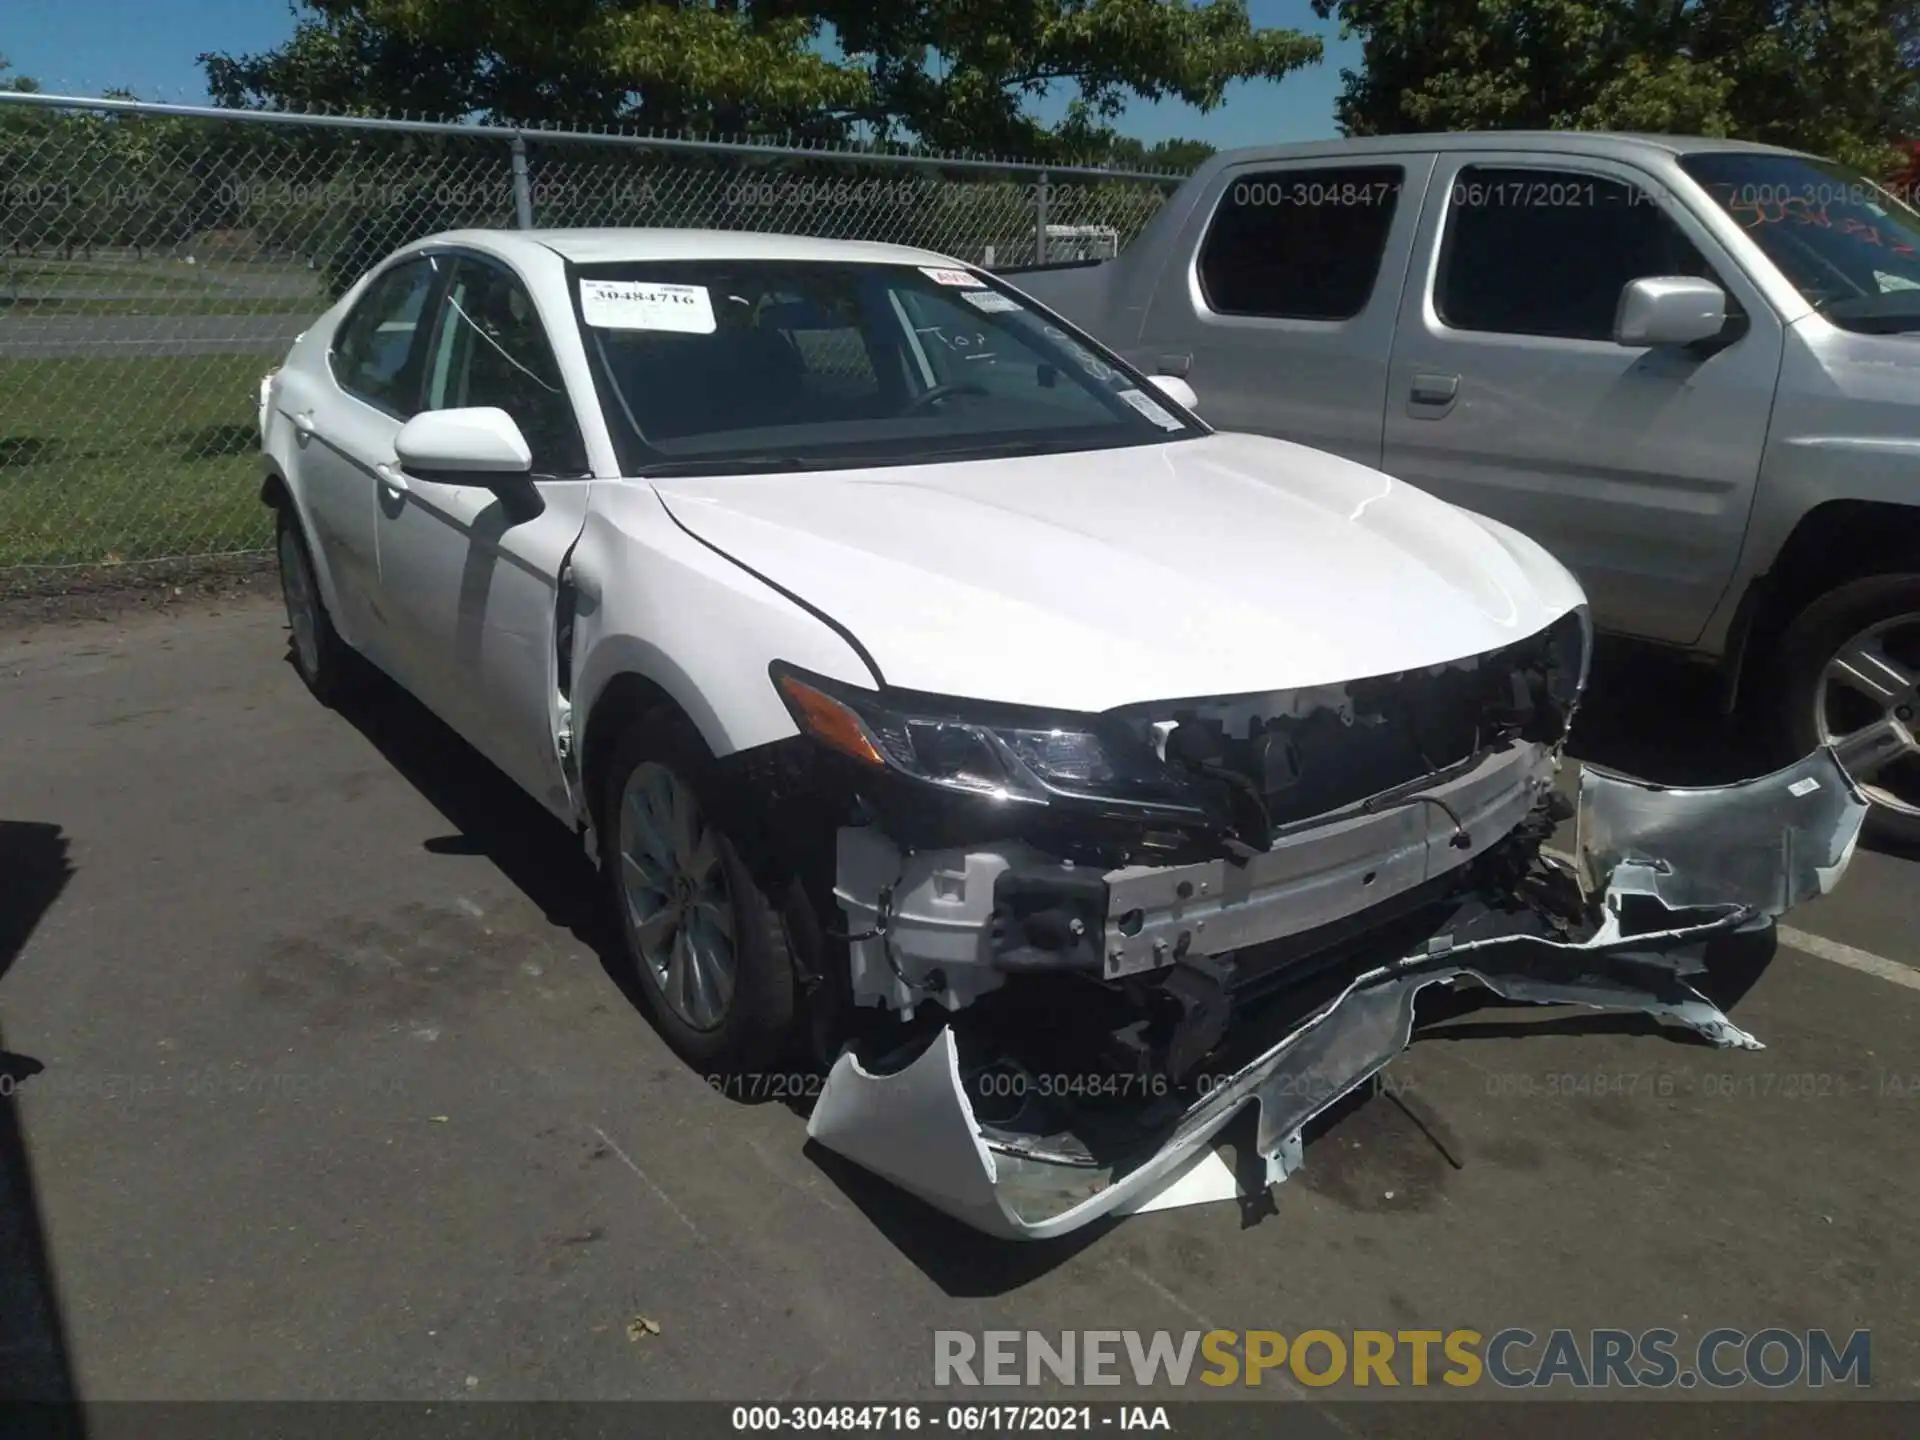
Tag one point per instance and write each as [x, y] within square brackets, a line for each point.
[1669, 869]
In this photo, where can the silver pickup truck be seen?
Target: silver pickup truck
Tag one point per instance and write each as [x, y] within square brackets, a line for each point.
[1691, 368]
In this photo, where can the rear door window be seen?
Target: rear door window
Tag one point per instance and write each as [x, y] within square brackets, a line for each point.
[1299, 244]
[376, 355]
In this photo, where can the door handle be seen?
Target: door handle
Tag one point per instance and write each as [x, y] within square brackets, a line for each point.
[1434, 389]
[391, 478]
[303, 424]
[1175, 365]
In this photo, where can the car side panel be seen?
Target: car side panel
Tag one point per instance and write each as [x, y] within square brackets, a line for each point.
[1637, 467]
[1317, 382]
[657, 603]
[333, 498]
[1844, 428]
[474, 590]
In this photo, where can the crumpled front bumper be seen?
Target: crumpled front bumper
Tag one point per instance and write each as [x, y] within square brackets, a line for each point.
[1671, 868]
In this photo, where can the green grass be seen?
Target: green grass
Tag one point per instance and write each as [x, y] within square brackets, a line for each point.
[114, 460]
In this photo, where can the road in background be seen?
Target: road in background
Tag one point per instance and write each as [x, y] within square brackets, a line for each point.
[108, 337]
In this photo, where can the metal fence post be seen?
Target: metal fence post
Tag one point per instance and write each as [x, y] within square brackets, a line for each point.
[1040, 220]
[522, 187]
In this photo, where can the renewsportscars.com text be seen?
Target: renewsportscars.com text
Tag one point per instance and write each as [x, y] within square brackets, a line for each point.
[1514, 1358]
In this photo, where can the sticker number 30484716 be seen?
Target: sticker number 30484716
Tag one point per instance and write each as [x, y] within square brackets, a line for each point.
[644, 305]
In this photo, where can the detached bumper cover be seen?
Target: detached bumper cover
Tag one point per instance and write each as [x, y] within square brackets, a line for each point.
[1671, 869]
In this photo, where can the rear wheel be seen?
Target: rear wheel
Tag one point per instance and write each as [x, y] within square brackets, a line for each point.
[319, 655]
[706, 944]
[1850, 678]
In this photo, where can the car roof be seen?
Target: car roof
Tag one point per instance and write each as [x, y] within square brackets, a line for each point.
[1616, 144]
[637, 243]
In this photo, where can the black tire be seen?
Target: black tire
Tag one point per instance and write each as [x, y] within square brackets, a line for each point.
[1810, 643]
[321, 658]
[757, 1028]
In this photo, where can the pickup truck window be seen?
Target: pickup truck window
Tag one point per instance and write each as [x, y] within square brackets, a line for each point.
[1547, 252]
[1844, 243]
[762, 365]
[1299, 244]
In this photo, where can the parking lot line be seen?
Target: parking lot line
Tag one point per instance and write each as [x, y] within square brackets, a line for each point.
[1865, 961]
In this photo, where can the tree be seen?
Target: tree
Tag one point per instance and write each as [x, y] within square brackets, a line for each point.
[959, 74]
[1179, 156]
[1835, 77]
[19, 84]
[951, 74]
[583, 62]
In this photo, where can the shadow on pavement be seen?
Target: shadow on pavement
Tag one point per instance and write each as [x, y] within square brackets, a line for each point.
[491, 816]
[36, 1374]
[1657, 717]
[963, 1262]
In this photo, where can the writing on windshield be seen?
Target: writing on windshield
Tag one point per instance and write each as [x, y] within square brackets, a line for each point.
[1849, 247]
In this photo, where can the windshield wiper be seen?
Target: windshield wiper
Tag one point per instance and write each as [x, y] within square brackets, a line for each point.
[736, 465]
[1002, 451]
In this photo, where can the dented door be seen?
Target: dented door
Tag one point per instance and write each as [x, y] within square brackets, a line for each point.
[470, 577]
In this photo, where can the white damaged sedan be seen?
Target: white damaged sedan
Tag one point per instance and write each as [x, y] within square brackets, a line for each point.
[943, 701]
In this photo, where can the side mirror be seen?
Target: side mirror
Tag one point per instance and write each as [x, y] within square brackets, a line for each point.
[1669, 310]
[1176, 390]
[479, 446]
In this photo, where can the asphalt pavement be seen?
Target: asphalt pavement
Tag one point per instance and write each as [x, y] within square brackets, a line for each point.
[325, 1084]
[108, 337]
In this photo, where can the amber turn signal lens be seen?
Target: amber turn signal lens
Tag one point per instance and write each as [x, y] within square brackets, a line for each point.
[830, 722]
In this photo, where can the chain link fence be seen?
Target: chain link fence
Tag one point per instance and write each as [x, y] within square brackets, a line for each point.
[156, 259]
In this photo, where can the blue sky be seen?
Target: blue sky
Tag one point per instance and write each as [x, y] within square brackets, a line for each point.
[84, 46]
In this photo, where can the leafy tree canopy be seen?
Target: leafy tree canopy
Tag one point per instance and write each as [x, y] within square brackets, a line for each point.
[20, 83]
[952, 74]
[1176, 155]
[1832, 76]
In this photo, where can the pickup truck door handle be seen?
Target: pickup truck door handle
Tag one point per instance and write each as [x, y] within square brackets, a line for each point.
[1435, 389]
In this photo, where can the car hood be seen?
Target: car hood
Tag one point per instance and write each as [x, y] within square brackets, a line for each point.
[1226, 565]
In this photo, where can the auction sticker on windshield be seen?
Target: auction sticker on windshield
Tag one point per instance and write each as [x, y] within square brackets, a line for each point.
[990, 301]
[948, 277]
[1150, 408]
[641, 305]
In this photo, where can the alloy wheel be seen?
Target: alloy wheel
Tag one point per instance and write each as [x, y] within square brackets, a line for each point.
[676, 894]
[1867, 707]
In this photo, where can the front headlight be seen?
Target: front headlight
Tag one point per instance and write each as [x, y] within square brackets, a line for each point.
[991, 752]
[1570, 655]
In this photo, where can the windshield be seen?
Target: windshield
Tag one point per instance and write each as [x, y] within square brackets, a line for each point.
[725, 366]
[1847, 245]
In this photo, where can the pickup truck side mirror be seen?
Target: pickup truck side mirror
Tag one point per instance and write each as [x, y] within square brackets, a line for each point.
[1669, 310]
[1176, 390]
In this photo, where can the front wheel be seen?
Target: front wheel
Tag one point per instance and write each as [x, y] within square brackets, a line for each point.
[1850, 678]
[706, 944]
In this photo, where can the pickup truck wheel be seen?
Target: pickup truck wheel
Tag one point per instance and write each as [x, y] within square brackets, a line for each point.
[706, 944]
[1850, 667]
[319, 654]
